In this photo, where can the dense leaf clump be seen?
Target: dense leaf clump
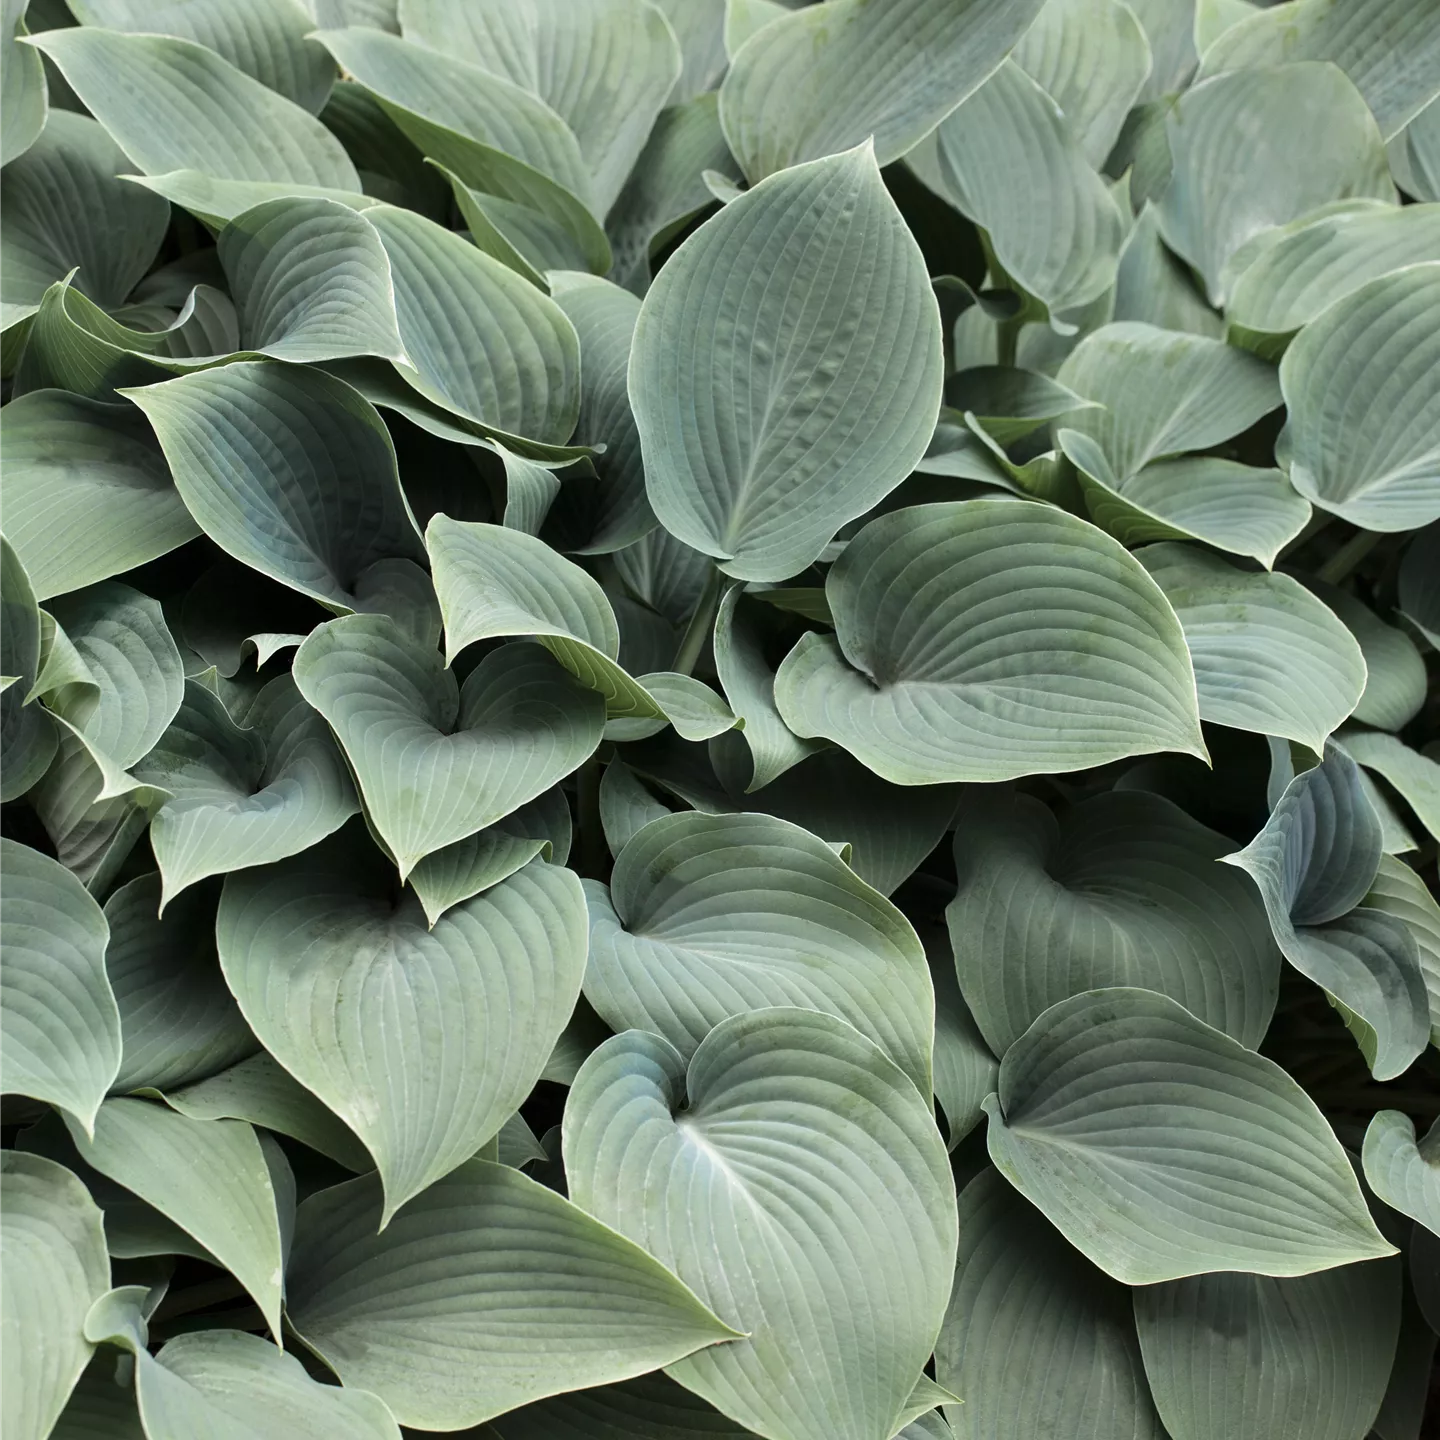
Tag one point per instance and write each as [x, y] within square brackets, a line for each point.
[717, 719]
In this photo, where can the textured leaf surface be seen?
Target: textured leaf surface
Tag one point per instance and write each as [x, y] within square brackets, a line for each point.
[25, 100]
[960, 652]
[796, 1127]
[537, 1297]
[709, 916]
[423, 1040]
[1405, 1176]
[786, 368]
[1400, 892]
[1161, 1148]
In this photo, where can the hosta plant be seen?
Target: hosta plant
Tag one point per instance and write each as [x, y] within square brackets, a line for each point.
[717, 719]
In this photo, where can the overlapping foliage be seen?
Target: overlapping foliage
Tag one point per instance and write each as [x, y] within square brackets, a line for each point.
[717, 719]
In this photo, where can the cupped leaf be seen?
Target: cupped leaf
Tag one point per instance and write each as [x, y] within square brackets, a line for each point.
[243, 796]
[28, 734]
[422, 1040]
[87, 492]
[100, 1407]
[1308, 138]
[1415, 155]
[528, 1296]
[803, 1192]
[1009, 161]
[210, 1177]
[786, 368]
[821, 82]
[1121, 889]
[60, 1023]
[1362, 437]
[1406, 1176]
[178, 1022]
[1418, 584]
[1268, 656]
[1152, 284]
[55, 1267]
[1395, 680]
[26, 103]
[437, 761]
[1009, 402]
[1026, 1304]
[172, 104]
[1161, 1148]
[965, 1070]
[990, 639]
[288, 470]
[1401, 893]
[709, 916]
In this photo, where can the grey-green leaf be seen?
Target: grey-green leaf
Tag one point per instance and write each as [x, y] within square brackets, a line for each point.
[29, 735]
[1400, 892]
[25, 101]
[1406, 1176]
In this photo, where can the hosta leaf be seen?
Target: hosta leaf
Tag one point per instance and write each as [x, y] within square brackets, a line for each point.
[1235, 1354]
[699, 26]
[1009, 161]
[216, 201]
[821, 82]
[1308, 137]
[1405, 1176]
[1395, 681]
[1093, 58]
[1161, 1148]
[1313, 263]
[422, 1040]
[536, 1298]
[481, 340]
[650, 1407]
[243, 796]
[965, 1070]
[963, 668]
[1415, 155]
[172, 104]
[1239, 508]
[65, 207]
[605, 66]
[709, 916]
[747, 370]
[1418, 584]
[208, 1176]
[100, 1406]
[796, 1127]
[1387, 47]
[1362, 439]
[436, 761]
[1008, 402]
[55, 1266]
[1314, 862]
[1120, 889]
[665, 574]
[1268, 656]
[25, 100]
[1402, 1414]
[61, 1025]
[1152, 285]
[178, 1022]
[1400, 892]
[28, 734]
[286, 469]
[1163, 392]
[264, 38]
[1026, 1305]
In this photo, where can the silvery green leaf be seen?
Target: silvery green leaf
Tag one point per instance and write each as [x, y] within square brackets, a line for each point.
[54, 1267]
[650, 1407]
[1268, 655]
[1009, 402]
[172, 104]
[1402, 1415]
[1414, 776]
[790, 1115]
[1419, 584]
[61, 1025]
[538, 1297]
[965, 1070]
[210, 1177]
[101, 1406]
[1162, 1148]
[746, 367]
[934, 607]
[1163, 392]
[1415, 155]
[822, 81]
[1231, 1354]
[1308, 138]
[626, 806]
[404, 1030]
[1396, 681]
[178, 1022]
[665, 574]
[553, 52]
[1169, 26]
[1153, 286]
[216, 200]
[436, 762]
[1361, 437]
[699, 26]
[243, 796]
[1026, 1304]
[26, 104]
[744, 17]
[1406, 1176]
[1010, 161]
[709, 916]
[65, 207]
[28, 734]
[288, 470]
[1119, 889]
[1401, 893]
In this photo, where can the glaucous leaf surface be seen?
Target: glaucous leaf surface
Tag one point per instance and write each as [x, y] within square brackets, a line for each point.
[537, 1298]
[1399, 891]
[1162, 1148]
[786, 367]
[787, 1125]
[29, 736]
[1404, 1174]
[25, 101]
[989, 639]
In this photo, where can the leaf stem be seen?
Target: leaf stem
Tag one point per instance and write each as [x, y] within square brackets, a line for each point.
[702, 622]
[1339, 566]
[1007, 340]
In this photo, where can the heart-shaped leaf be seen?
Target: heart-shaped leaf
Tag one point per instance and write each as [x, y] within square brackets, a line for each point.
[1162, 1148]
[1406, 1176]
[788, 1115]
